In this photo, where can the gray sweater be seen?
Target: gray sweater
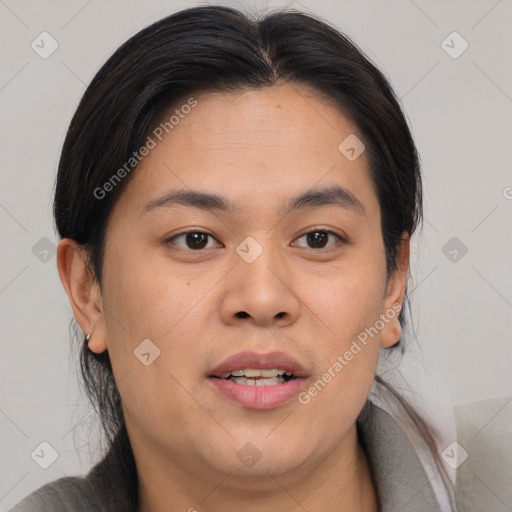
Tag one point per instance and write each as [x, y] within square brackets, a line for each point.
[401, 482]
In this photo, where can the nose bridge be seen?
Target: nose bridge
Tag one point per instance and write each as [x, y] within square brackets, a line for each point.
[259, 286]
[258, 265]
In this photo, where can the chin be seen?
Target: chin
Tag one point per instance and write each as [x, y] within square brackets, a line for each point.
[259, 457]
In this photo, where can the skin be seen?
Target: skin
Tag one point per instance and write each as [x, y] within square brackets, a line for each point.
[257, 148]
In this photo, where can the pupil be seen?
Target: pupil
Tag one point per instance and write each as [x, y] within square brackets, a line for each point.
[197, 240]
[318, 239]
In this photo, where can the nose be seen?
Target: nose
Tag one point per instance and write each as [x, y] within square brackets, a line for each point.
[260, 293]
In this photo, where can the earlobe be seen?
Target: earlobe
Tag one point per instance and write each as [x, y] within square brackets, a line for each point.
[395, 294]
[83, 291]
[96, 342]
[391, 333]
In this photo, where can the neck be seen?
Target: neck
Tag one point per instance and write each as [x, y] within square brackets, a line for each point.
[342, 481]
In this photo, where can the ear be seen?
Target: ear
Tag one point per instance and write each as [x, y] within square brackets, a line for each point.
[395, 293]
[83, 291]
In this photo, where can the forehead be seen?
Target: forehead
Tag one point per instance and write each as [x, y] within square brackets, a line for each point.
[252, 146]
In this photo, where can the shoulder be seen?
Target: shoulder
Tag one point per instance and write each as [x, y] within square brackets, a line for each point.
[69, 494]
[400, 479]
[110, 485]
[483, 455]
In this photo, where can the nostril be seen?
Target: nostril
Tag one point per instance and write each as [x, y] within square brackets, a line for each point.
[243, 314]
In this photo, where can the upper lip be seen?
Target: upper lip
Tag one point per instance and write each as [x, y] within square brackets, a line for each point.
[268, 361]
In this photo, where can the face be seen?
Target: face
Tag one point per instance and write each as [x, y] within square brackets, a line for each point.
[246, 240]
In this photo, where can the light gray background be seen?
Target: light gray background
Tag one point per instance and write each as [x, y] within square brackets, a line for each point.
[460, 112]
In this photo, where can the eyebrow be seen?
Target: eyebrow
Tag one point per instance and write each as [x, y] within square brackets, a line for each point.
[331, 196]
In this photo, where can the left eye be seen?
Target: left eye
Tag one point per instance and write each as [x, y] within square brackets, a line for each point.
[194, 240]
[319, 239]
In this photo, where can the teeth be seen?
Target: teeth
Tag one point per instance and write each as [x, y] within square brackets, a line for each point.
[251, 372]
[268, 382]
[268, 373]
[258, 382]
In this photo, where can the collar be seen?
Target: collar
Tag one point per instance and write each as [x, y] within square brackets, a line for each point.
[401, 482]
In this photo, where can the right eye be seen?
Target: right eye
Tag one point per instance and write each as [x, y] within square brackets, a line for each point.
[193, 240]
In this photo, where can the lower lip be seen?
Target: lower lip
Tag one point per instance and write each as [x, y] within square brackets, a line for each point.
[259, 397]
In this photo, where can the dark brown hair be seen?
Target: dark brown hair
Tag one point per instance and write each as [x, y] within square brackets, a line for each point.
[217, 49]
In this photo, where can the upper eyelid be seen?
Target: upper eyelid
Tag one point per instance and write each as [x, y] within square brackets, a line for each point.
[341, 238]
[319, 229]
[171, 238]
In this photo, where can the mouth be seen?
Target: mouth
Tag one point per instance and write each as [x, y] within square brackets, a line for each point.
[258, 381]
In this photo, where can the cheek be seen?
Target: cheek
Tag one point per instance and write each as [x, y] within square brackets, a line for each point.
[349, 355]
[147, 297]
[144, 298]
[346, 301]
[143, 301]
[345, 308]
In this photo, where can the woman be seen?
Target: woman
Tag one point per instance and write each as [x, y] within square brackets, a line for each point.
[235, 199]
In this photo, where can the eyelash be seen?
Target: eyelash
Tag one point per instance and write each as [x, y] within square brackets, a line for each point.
[315, 230]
